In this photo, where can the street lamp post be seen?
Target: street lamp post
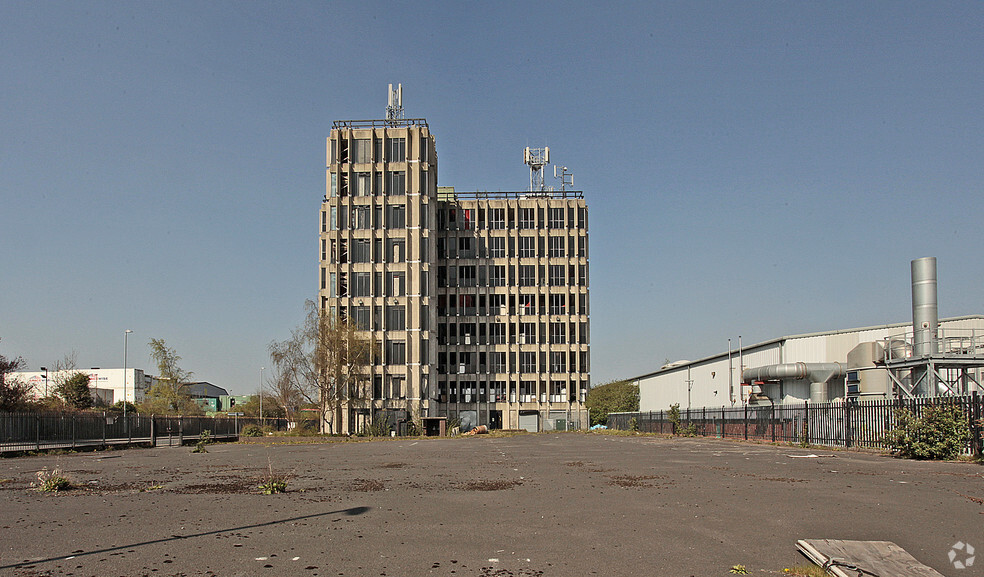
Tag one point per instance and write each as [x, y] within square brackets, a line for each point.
[126, 334]
[45, 371]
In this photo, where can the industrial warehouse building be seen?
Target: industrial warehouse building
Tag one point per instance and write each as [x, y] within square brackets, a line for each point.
[927, 357]
[107, 385]
[478, 301]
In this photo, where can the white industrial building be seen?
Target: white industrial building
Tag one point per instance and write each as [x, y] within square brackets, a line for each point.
[107, 385]
[716, 381]
[927, 357]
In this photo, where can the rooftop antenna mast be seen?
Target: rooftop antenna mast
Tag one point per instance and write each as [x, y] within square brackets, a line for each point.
[394, 107]
[537, 158]
[566, 178]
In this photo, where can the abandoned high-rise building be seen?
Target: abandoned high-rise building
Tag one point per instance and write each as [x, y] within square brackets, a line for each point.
[477, 302]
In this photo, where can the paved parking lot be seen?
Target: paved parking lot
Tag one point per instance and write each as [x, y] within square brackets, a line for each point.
[529, 505]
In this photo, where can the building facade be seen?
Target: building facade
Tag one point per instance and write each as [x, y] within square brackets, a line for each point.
[477, 302]
[717, 381]
[108, 386]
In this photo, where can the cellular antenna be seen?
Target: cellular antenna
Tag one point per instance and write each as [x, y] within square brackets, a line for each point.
[537, 158]
[394, 107]
[566, 178]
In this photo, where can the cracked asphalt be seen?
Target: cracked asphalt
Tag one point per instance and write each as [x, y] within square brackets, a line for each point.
[523, 506]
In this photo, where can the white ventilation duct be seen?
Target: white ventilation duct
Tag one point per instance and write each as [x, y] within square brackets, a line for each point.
[819, 375]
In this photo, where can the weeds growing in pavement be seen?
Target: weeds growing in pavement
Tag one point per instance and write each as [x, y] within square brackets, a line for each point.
[51, 481]
[274, 483]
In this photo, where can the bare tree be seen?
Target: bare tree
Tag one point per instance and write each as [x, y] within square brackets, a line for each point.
[169, 395]
[324, 361]
[61, 371]
[283, 393]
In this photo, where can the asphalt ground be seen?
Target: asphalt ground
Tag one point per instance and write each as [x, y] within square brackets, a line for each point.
[566, 504]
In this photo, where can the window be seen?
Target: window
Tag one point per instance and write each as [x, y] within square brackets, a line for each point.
[558, 333]
[527, 247]
[397, 216]
[497, 334]
[396, 352]
[466, 276]
[527, 218]
[333, 218]
[527, 333]
[466, 247]
[397, 150]
[527, 362]
[396, 318]
[361, 150]
[361, 250]
[497, 218]
[527, 304]
[558, 304]
[497, 362]
[582, 246]
[396, 184]
[397, 388]
[360, 285]
[360, 217]
[396, 284]
[497, 275]
[556, 218]
[467, 219]
[556, 247]
[360, 316]
[397, 250]
[333, 188]
[558, 362]
[557, 274]
[362, 184]
[527, 275]
[582, 275]
[497, 247]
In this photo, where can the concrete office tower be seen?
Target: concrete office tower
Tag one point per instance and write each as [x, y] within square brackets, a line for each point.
[478, 301]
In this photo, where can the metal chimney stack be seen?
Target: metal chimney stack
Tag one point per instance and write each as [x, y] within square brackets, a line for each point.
[925, 309]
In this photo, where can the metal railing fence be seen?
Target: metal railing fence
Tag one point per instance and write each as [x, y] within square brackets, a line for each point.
[848, 423]
[35, 431]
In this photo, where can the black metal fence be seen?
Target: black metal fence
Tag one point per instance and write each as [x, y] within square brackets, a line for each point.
[849, 423]
[37, 431]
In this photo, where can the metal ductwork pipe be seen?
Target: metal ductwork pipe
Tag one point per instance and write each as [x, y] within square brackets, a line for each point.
[819, 374]
[925, 309]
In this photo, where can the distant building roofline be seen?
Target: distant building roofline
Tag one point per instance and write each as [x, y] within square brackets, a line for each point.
[682, 364]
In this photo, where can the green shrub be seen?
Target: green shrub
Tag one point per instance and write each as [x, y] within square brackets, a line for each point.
[204, 439]
[674, 417]
[251, 431]
[634, 424]
[940, 433]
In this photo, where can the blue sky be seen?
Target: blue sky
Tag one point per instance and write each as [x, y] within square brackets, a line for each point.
[751, 168]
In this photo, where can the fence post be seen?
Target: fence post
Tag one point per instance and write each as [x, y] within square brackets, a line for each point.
[153, 430]
[37, 432]
[703, 421]
[746, 420]
[806, 422]
[975, 424]
[847, 423]
[181, 440]
[74, 416]
[772, 420]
